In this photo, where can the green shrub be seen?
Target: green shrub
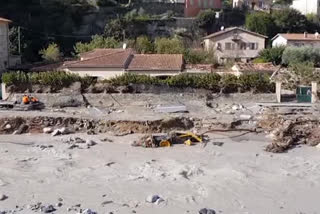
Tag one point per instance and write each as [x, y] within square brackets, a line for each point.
[56, 79]
[192, 56]
[51, 53]
[273, 55]
[229, 83]
[144, 45]
[169, 46]
[293, 55]
[256, 82]
[96, 42]
[129, 78]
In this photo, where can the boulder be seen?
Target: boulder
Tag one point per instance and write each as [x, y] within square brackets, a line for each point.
[152, 198]
[47, 130]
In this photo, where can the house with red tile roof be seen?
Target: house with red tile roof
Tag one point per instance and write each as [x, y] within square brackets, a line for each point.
[296, 39]
[235, 43]
[108, 63]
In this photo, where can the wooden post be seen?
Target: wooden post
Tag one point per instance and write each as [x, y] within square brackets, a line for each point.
[314, 89]
[278, 91]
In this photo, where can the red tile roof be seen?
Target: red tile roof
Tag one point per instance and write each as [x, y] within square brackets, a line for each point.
[299, 36]
[5, 20]
[103, 58]
[232, 29]
[156, 62]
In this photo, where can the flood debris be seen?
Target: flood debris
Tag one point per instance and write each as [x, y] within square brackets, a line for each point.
[286, 132]
[207, 211]
[172, 109]
[155, 199]
[77, 142]
[167, 140]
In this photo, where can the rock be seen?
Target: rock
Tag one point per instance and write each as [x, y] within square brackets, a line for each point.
[235, 107]
[59, 204]
[47, 130]
[207, 211]
[22, 129]
[152, 198]
[3, 197]
[8, 126]
[90, 142]
[62, 131]
[159, 200]
[48, 209]
[88, 211]
[245, 117]
[56, 132]
[217, 143]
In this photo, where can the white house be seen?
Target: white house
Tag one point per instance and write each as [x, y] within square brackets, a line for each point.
[235, 43]
[307, 6]
[296, 39]
[253, 4]
[4, 43]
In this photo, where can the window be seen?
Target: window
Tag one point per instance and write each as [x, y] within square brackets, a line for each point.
[229, 46]
[191, 2]
[218, 46]
[252, 46]
[243, 46]
[199, 3]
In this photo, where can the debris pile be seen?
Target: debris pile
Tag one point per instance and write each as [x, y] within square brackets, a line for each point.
[79, 143]
[166, 140]
[287, 132]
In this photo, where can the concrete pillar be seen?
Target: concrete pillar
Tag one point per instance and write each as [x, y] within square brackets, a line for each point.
[278, 91]
[5, 95]
[314, 89]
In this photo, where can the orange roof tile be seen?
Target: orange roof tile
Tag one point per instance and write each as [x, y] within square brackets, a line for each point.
[299, 36]
[109, 58]
[160, 62]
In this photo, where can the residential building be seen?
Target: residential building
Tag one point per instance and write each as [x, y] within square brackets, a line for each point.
[109, 63]
[253, 4]
[307, 6]
[4, 43]
[235, 44]
[296, 39]
[193, 7]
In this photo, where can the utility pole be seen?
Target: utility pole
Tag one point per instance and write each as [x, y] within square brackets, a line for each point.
[19, 40]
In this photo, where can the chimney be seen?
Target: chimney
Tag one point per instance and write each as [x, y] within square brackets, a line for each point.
[305, 35]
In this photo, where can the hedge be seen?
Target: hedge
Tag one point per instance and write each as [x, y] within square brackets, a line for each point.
[259, 83]
[56, 79]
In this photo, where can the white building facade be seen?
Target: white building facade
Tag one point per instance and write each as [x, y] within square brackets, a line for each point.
[307, 6]
[4, 44]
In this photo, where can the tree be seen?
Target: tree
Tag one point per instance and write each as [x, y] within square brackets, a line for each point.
[144, 45]
[169, 46]
[96, 42]
[206, 19]
[296, 55]
[262, 23]
[51, 53]
[290, 21]
[273, 55]
[116, 29]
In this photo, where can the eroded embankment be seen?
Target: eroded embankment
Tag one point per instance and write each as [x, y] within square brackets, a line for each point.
[9, 125]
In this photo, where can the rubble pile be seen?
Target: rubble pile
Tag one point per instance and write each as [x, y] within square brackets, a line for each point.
[67, 125]
[287, 132]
